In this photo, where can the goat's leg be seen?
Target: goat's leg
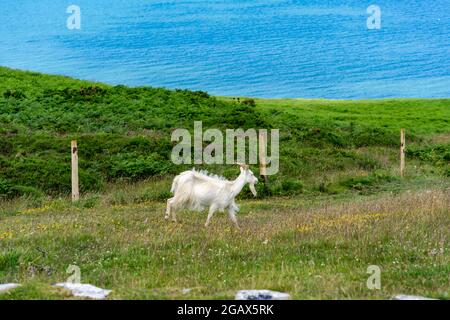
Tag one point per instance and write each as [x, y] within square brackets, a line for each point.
[232, 215]
[169, 205]
[234, 206]
[173, 210]
[212, 209]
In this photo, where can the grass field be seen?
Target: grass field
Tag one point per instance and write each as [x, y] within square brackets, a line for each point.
[313, 248]
[337, 206]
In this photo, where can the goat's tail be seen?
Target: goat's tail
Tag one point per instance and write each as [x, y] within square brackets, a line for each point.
[174, 185]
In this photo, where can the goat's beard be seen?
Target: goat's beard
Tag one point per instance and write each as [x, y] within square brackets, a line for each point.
[252, 189]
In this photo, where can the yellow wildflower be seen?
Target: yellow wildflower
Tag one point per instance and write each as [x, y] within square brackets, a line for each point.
[6, 235]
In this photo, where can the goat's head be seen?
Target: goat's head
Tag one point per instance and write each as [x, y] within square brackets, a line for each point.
[249, 178]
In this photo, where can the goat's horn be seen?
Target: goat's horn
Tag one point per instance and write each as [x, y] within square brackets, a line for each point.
[242, 165]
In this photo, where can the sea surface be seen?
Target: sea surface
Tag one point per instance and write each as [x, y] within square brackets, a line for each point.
[261, 48]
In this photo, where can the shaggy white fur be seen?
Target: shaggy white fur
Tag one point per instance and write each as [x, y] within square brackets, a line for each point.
[198, 190]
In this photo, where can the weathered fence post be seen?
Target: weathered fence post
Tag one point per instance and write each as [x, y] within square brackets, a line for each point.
[262, 154]
[75, 187]
[402, 152]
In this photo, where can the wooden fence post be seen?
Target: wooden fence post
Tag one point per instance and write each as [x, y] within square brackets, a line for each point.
[402, 152]
[75, 187]
[262, 154]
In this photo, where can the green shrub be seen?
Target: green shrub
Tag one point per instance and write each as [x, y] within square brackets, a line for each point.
[243, 116]
[435, 154]
[285, 187]
[16, 94]
[249, 102]
[29, 175]
[321, 137]
[139, 167]
[364, 137]
[366, 182]
[27, 191]
[291, 186]
[90, 180]
[5, 188]
[6, 147]
[10, 190]
[447, 172]
[263, 190]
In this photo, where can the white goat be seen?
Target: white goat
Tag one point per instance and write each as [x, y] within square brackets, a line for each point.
[197, 190]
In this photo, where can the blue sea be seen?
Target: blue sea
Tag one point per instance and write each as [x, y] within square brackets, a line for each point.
[261, 48]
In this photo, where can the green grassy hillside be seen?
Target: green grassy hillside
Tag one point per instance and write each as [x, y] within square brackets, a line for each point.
[124, 135]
